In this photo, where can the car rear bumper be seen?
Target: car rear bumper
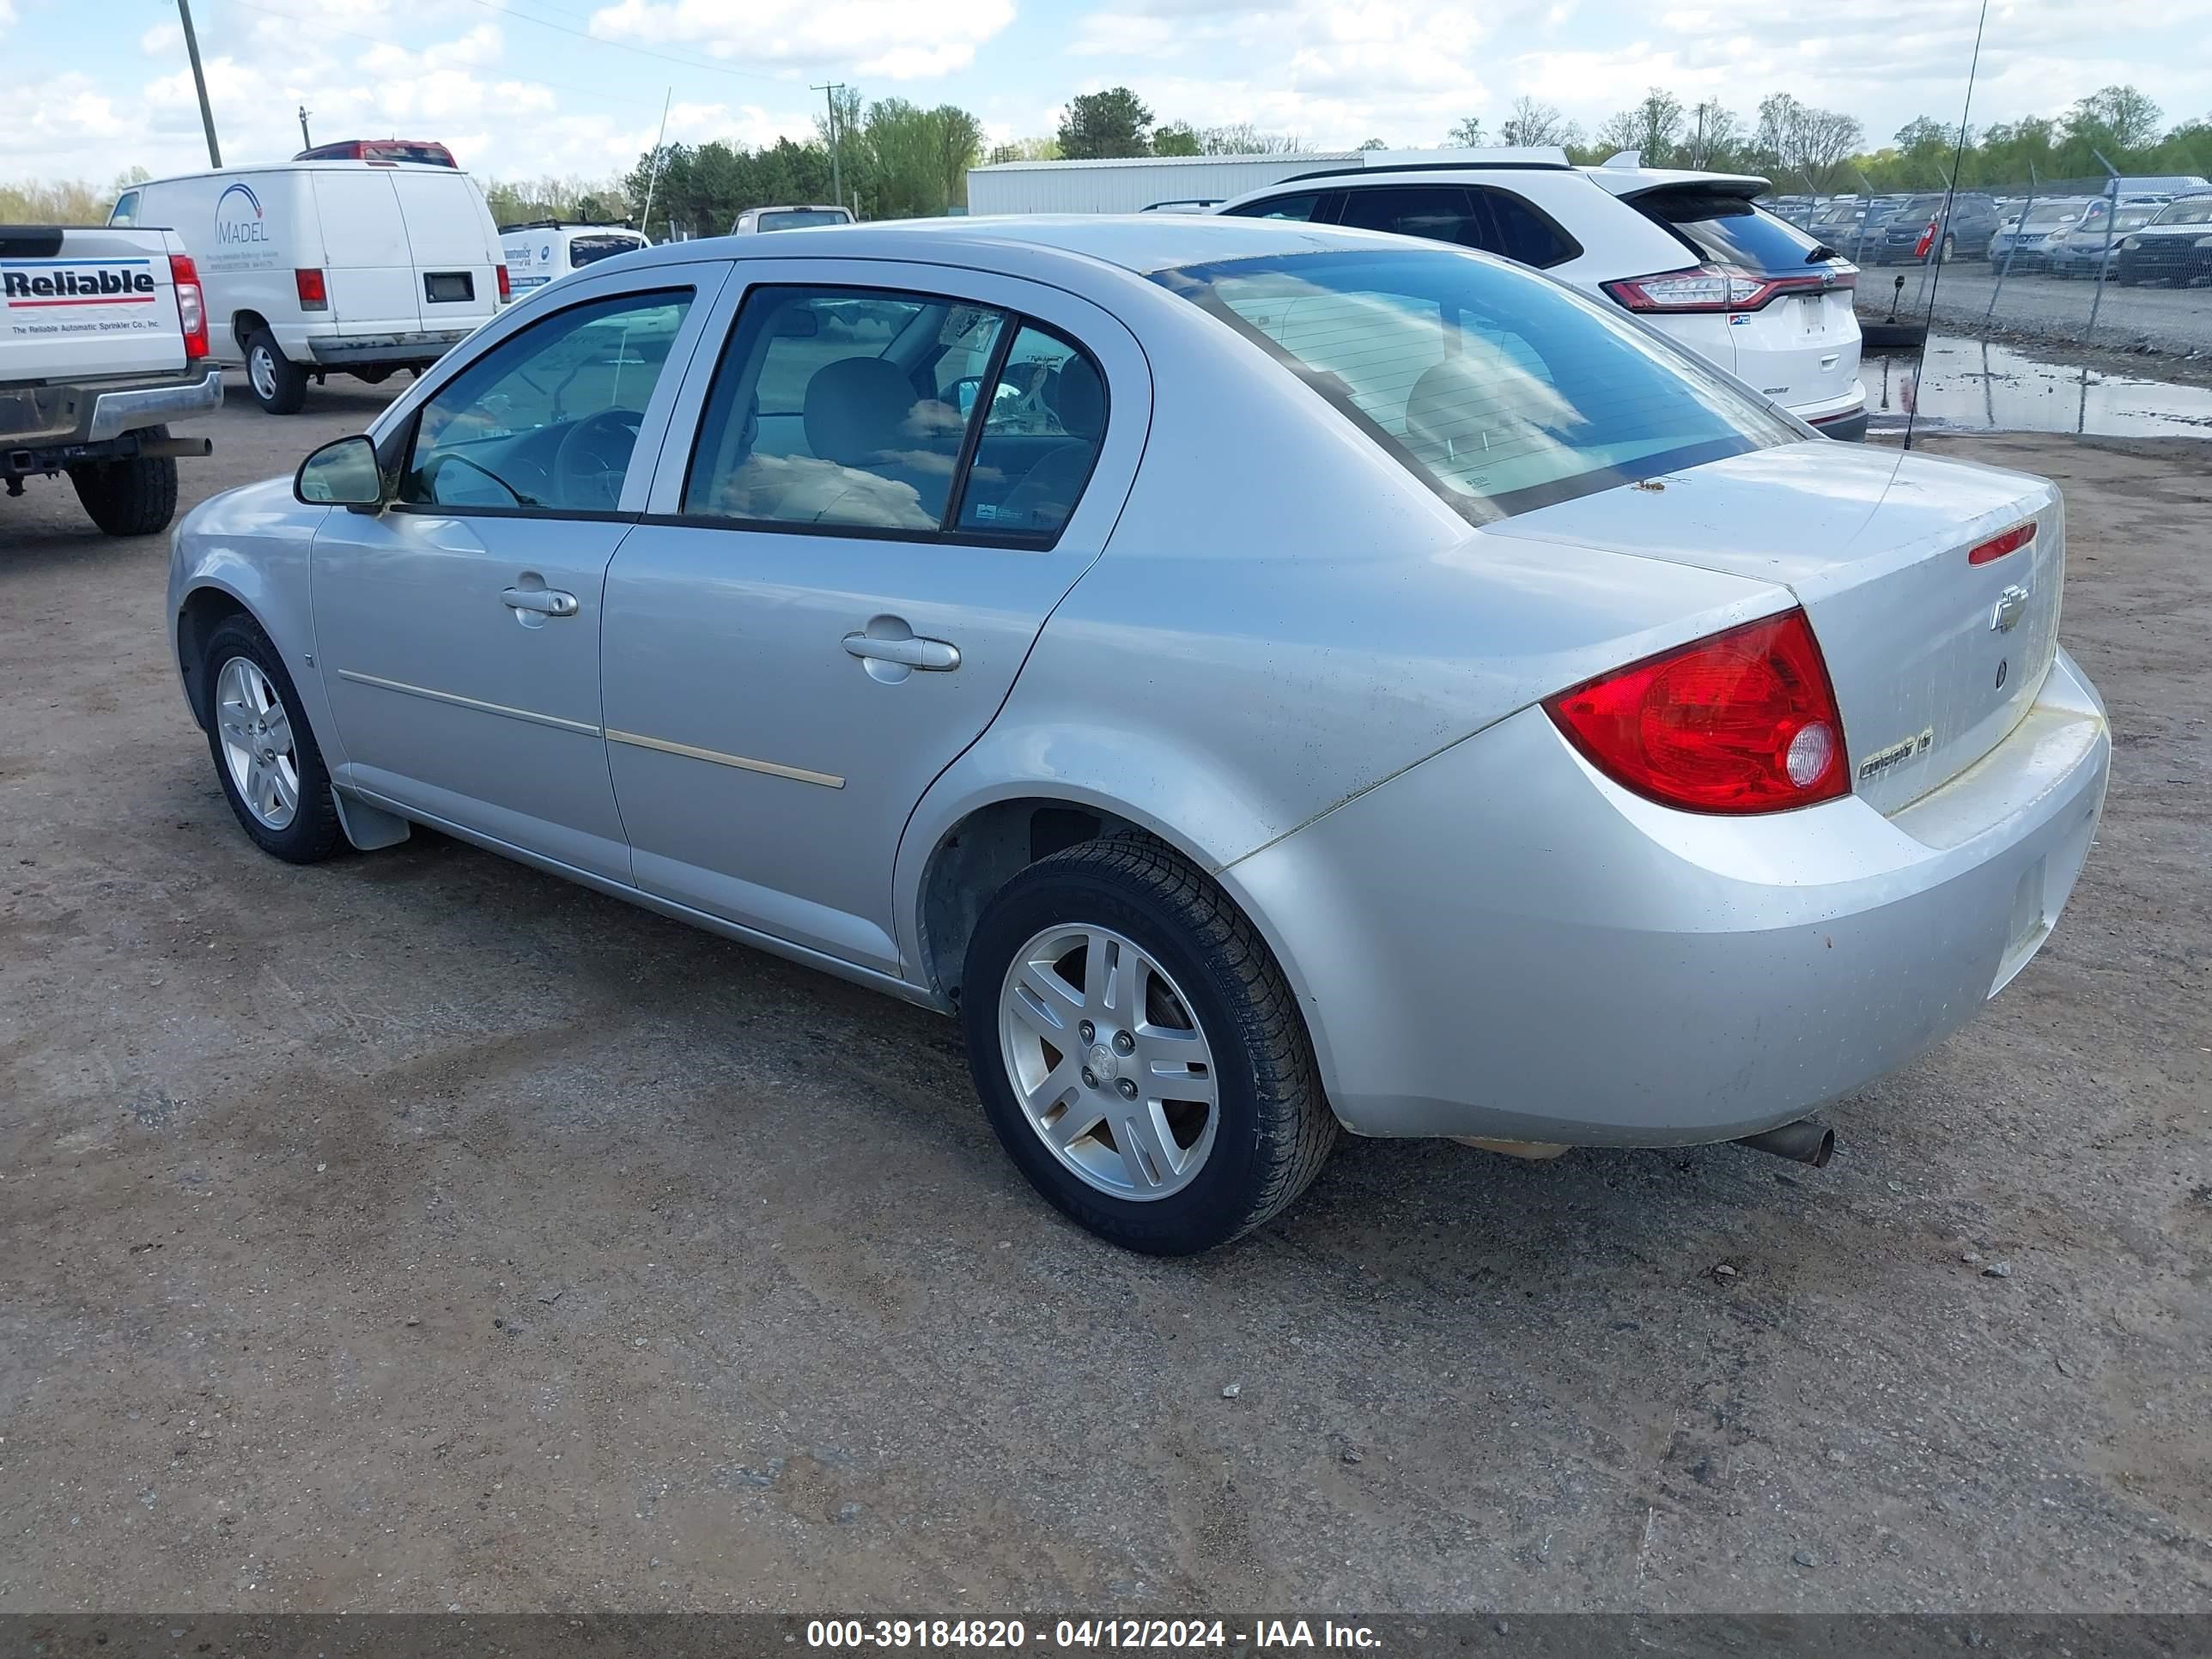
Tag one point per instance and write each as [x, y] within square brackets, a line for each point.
[1843, 417]
[1502, 942]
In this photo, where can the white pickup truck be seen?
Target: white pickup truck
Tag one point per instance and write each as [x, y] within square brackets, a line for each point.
[103, 342]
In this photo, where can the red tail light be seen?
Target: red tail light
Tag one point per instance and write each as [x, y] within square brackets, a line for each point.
[314, 293]
[1719, 287]
[1997, 547]
[191, 305]
[1743, 721]
[506, 289]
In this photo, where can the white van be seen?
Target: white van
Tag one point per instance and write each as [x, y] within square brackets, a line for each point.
[544, 250]
[313, 268]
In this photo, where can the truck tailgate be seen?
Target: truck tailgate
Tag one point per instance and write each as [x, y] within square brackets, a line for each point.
[85, 304]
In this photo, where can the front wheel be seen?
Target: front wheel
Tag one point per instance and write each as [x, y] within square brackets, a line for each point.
[1139, 1052]
[265, 754]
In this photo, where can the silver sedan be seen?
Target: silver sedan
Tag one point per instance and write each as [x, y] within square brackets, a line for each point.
[1259, 677]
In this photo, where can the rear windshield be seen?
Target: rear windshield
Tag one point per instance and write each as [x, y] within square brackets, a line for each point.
[2057, 213]
[2190, 210]
[1730, 231]
[588, 250]
[799, 218]
[1501, 390]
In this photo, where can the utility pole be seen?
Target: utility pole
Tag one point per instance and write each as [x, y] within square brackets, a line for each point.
[836, 173]
[199, 80]
[306, 142]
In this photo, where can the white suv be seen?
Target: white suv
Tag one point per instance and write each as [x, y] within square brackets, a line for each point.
[1686, 252]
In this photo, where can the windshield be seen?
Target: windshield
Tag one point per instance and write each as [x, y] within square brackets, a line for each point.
[2059, 213]
[1501, 390]
[2190, 210]
[799, 218]
[1730, 230]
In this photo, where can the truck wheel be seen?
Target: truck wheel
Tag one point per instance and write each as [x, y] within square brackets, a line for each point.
[134, 496]
[280, 386]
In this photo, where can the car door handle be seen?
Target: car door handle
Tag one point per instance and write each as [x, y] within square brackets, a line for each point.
[545, 601]
[941, 655]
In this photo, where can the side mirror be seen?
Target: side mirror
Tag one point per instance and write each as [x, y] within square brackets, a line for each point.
[341, 474]
[964, 390]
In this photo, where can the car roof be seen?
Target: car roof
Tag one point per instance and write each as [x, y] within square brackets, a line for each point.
[800, 207]
[1140, 242]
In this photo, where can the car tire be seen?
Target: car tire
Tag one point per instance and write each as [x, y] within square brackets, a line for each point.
[1948, 251]
[1268, 1129]
[279, 385]
[134, 496]
[248, 747]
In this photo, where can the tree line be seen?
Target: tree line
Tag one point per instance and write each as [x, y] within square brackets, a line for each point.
[893, 159]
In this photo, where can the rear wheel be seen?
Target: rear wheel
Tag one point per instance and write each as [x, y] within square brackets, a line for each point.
[265, 755]
[136, 496]
[1138, 1051]
[280, 386]
[1949, 251]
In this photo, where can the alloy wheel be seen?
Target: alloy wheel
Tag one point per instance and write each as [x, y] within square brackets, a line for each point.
[1108, 1062]
[257, 743]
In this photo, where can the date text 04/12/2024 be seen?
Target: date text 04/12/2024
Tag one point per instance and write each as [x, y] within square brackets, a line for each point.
[1264, 1635]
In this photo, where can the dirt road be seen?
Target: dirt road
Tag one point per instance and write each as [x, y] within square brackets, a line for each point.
[416, 1232]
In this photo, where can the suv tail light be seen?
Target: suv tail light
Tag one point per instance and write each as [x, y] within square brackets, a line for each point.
[1719, 287]
[191, 305]
[1743, 721]
[506, 287]
[314, 293]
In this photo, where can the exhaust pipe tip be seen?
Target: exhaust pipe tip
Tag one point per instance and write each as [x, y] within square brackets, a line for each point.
[1801, 1142]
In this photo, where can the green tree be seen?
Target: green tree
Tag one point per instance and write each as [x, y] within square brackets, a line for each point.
[1100, 124]
[1712, 138]
[1468, 133]
[1177, 138]
[1535, 122]
[1372, 143]
[2121, 117]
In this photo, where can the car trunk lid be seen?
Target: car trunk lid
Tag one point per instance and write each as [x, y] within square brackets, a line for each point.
[1934, 659]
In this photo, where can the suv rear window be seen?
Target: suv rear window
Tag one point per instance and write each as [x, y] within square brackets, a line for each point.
[1729, 231]
[1500, 391]
[799, 218]
[588, 250]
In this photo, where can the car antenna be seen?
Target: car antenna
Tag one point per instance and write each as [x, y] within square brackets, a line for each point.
[1943, 224]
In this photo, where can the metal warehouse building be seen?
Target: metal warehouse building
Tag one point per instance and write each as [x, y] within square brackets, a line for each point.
[1131, 184]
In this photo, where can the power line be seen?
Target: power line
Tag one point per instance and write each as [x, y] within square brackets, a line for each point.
[624, 46]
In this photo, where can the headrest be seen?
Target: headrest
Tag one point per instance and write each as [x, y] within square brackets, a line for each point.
[1078, 398]
[856, 410]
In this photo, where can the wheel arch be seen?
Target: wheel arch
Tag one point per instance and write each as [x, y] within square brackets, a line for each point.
[204, 609]
[244, 324]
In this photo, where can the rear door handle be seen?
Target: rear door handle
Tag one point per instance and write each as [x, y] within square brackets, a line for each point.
[545, 601]
[939, 655]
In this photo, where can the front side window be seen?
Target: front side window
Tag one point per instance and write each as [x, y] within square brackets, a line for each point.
[547, 418]
[1502, 390]
[827, 409]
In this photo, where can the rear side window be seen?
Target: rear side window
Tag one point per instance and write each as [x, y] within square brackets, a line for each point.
[126, 210]
[1522, 234]
[1304, 207]
[1039, 438]
[1441, 213]
[1729, 231]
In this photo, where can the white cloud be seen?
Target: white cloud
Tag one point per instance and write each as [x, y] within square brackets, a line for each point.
[896, 40]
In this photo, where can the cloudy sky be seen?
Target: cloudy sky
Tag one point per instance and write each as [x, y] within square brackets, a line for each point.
[522, 88]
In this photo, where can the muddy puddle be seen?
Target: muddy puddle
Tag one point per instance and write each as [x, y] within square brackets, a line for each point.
[1971, 386]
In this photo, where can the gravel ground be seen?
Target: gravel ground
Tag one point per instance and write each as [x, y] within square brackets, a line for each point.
[2171, 322]
[416, 1232]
